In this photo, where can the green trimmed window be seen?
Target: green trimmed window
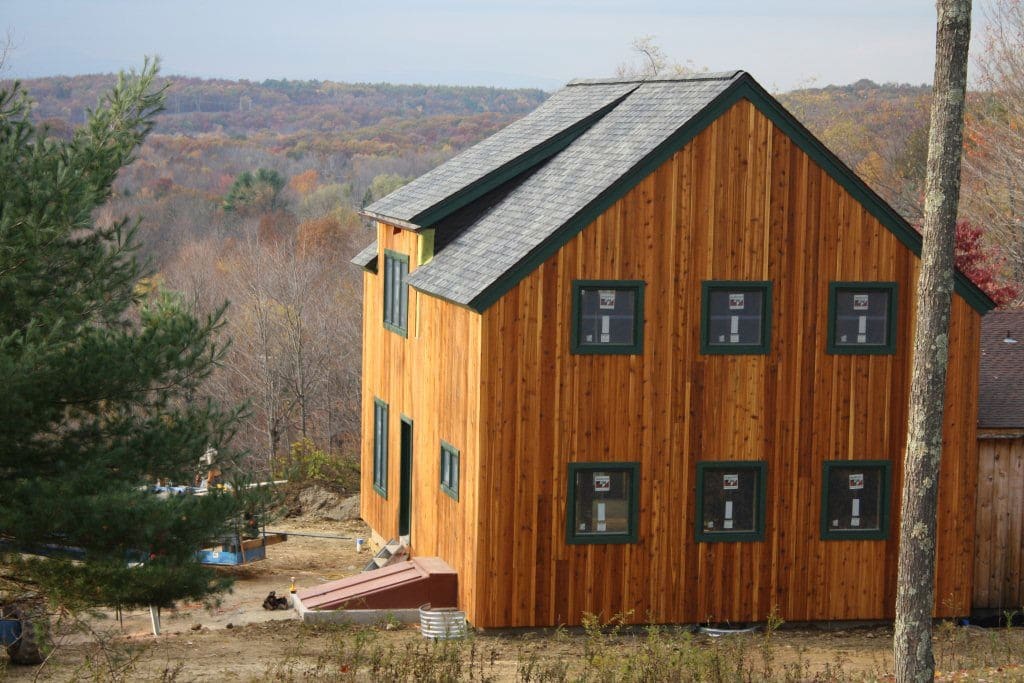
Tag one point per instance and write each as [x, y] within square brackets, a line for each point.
[380, 447]
[608, 316]
[731, 501]
[862, 317]
[735, 317]
[396, 292]
[855, 500]
[604, 502]
[450, 469]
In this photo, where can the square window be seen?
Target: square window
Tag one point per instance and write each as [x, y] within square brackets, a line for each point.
[380, 447]
[608, 316]
[450, 470]
[736, 317]
[603, 502]
[862, 318]
[731, 501]
[396, 292]
[855, 500]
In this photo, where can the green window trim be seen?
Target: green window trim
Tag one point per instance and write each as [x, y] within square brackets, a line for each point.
[396, 303]
[760, 505]
[886, 349]
[579, 347]
[707, 287]
[572, 537]
[380, 447]
[451, 469]
[885, 493]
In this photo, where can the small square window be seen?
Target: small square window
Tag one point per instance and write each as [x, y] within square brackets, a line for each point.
[380, 447]
[855, 500]
[736, 317]
[730, 501]
[608, 316]
[396, 292]
[450, 469]
[862, 318]
[603, 502]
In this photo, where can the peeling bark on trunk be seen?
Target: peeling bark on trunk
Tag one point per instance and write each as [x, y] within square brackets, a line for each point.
[915, 592]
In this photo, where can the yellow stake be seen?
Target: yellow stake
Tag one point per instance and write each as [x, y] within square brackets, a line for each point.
[293, 584]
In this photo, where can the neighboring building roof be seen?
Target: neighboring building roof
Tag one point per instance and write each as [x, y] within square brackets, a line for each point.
[617, 135]
[1000, 397]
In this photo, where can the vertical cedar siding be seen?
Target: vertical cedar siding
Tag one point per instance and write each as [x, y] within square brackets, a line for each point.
[739, 202]
[431, 375]
[999, 560]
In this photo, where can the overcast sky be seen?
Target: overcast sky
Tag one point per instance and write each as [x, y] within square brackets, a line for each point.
[783, 43]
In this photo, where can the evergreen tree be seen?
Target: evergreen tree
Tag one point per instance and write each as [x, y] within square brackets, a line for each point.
[98, 373]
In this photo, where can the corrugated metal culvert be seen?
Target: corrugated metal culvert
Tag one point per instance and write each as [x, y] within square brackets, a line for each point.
[442, 623]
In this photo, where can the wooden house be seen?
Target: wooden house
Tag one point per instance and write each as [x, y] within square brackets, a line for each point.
[647, 351]
[999, 544]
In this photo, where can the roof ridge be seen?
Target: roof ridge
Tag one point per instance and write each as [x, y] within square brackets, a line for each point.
[696, 76]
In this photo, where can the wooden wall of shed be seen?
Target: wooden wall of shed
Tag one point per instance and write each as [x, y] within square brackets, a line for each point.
[432, 376]
[739, 202]
[999, 557]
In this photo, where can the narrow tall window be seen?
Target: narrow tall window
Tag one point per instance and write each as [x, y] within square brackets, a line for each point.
[862, 318]
[396, 292]
[450, 469]
[608, 316]
[380, 447]
[735, 317]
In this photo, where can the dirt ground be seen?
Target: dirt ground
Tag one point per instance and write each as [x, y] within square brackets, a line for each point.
[239, 640]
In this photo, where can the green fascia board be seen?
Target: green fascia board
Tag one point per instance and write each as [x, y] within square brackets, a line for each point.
[757, 534]
[397, 329]
[887, 349]
[637, 347]
[513, 168]
[747, 88]
[879, 534]
[709, 349]
[453, 492]
[571, 537]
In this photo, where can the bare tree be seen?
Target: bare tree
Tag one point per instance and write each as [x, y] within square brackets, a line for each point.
[915, 591]
[653, 62]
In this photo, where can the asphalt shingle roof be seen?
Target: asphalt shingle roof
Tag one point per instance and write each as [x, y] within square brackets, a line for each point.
[1000, 397]
[559, 113]
[566, 185]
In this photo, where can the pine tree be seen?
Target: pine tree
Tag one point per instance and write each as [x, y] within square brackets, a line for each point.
[98, 374]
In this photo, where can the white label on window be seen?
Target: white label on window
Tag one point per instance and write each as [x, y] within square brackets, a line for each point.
[857, 481]
[602, 483]
[590, 337]
[721, 337]
[601, 526]
[606, 298]
[862, 329]
[728, 509]
[600, 515]
[835, 522]
[710, 524]
[860, 302]
[583, 526]
[842, 338]
[736, 301]
[855, 508]
[605, 338]
[606, 324]
[730, 482]
[734, 329]
[855, 521]
[727, 524]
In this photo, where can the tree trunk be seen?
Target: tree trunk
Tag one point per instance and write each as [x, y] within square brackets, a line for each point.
[915, 591]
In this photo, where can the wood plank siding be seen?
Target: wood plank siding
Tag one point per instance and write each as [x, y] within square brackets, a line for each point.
[432, 376]
[739, 202]
[999, 561]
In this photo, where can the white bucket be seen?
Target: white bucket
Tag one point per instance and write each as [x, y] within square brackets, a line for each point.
[442, 623]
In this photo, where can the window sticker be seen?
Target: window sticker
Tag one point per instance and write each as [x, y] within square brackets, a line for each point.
[730, 482]
[602, 483]
[606, 298]
[860, 302]
[857, 483]
[736, 301]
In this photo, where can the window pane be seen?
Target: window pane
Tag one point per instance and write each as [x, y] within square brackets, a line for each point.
[862, 318]
[854, 498]
[602, 502]
[730, 500]
[607, 316]
[735, 317]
